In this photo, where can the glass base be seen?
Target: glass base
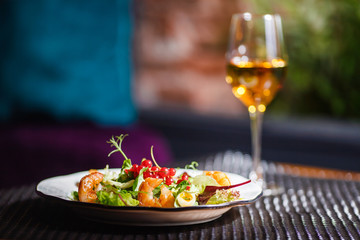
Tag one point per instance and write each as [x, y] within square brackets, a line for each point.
[269, 188]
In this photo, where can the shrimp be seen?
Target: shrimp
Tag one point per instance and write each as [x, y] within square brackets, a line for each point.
[220, 177]
[146, 196]
[167, 199]
[88, 186]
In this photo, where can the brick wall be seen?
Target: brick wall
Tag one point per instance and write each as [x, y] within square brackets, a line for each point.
[179, 54]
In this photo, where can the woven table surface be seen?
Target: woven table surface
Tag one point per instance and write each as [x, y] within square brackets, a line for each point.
[309, 208]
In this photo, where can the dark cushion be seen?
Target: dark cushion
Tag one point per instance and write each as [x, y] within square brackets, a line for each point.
[32, 152]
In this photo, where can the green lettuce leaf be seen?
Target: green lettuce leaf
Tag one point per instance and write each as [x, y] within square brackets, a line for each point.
[110, 178]
[123, 176]
[139, 179]
[199, 183]
[75, 196]
[223, 196]
[113, 199]
[126, 164]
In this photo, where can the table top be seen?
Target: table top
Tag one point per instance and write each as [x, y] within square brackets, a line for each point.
[321, 204]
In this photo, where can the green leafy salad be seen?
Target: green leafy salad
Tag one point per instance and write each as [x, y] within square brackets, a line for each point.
[149, 185]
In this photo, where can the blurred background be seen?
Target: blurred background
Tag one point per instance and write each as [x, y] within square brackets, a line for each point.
[179, 59]
[75, 73]
[180, 46]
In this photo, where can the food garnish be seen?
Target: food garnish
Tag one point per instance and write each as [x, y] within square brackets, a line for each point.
[210, 191]
[151, 185]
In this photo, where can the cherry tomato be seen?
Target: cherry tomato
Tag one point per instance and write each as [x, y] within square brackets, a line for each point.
[164, 171]
[146, 163]
[172, 172]
[188, 188]
[169, 180]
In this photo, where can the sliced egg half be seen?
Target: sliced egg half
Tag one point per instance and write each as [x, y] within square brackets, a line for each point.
[186, 199]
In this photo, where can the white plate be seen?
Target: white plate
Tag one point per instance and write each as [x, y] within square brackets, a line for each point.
[60, 189]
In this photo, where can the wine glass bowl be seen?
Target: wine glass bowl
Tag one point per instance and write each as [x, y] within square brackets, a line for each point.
[255, 84]
[256, 68]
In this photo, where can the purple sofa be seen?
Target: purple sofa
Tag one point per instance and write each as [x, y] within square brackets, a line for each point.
[31, 152]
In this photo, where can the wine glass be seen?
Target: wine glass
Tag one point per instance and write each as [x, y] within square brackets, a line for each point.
[256, 67]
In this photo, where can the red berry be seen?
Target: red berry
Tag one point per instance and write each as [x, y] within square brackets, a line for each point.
[172, 172]
[154, 169]
[147, 174]
[185, 176]
[135, 168]
[146, 163]
[169, 180]
[164, 171]
[139, 168]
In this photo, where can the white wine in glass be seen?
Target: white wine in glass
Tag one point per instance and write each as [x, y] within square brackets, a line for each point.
[256, 68]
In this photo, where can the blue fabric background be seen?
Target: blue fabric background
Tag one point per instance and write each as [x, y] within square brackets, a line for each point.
[69, 59]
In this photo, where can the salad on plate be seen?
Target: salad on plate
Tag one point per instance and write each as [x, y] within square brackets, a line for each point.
[150, 185]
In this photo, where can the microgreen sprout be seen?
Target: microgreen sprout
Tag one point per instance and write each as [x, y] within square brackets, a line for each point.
[193, 165]
[152, 156]
[117, 144]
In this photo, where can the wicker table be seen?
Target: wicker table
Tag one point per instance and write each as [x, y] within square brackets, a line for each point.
[312, 207]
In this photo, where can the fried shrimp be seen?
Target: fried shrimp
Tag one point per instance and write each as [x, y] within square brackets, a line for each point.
[167, 199]
[220, 177]
[146, 196]
[88, 186]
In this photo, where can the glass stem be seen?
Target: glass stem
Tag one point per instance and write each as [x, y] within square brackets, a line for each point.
[256, 119]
